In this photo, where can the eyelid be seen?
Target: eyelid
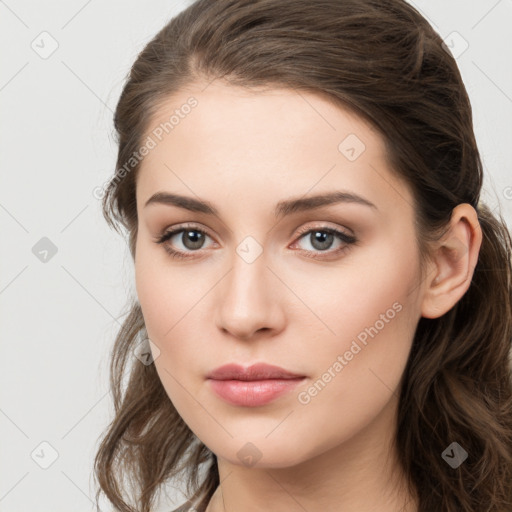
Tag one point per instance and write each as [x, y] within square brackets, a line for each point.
[169, 232]
[300, 231]
[347, 239]
[324, 226]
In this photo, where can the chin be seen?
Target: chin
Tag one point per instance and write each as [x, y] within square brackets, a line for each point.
[261, 453]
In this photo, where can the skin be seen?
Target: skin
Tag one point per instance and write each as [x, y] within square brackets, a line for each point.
[244, 151]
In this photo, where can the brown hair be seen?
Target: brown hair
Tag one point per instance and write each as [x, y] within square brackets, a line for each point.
[382, 60]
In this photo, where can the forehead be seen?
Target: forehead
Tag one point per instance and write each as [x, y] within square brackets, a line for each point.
[225, 114]
[254, 144]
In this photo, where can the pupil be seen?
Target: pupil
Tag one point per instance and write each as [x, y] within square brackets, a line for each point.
[322, 240]
[194, 239]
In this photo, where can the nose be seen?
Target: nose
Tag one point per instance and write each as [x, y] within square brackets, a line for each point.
[249, 300]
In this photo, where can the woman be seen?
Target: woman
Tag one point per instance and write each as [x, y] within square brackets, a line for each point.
[323, 311]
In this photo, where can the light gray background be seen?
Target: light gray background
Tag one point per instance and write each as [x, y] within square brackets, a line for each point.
[59, 317]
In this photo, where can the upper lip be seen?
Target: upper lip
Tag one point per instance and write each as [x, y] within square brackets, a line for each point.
[259, 371]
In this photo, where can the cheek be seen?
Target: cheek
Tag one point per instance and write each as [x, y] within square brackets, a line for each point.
[171, 298]
[163, 291]
[366, 290]
[357, 371]
[166, 297]
[370, 318]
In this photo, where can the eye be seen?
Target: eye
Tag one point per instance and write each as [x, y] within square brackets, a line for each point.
[191, 238]
[321, 239]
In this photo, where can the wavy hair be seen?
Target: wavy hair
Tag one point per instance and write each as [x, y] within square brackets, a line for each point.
[382, 60]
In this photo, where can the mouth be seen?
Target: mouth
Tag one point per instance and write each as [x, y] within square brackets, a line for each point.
[259, 371]
[253, 386]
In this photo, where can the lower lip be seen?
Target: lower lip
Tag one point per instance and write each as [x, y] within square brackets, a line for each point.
[253, 393]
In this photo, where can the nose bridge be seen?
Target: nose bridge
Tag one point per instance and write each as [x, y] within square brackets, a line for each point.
[248, 299]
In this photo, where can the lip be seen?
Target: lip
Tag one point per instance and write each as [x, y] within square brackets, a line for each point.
[258, 371]
[252, 386]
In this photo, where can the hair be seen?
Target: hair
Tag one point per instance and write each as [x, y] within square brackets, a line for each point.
[384, 62]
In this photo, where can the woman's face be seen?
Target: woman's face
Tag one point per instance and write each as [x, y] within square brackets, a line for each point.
[263, 280]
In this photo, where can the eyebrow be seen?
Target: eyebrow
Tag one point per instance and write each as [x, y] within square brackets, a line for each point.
[283, 208]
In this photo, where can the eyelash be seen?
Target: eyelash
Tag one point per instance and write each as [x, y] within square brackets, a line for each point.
[347, 239]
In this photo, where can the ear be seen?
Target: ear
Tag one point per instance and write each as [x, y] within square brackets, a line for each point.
[454, 260]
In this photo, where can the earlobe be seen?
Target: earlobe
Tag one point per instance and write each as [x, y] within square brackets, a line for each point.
[454, 260]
